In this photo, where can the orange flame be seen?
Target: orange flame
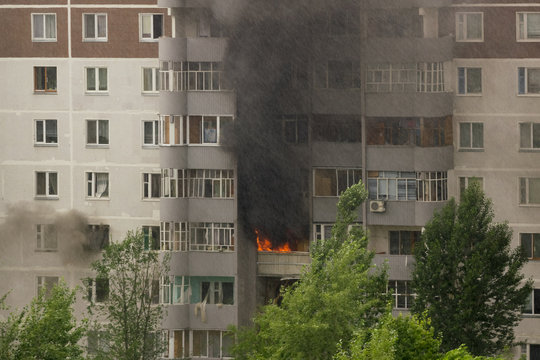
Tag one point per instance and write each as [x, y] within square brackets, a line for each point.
[266, 245]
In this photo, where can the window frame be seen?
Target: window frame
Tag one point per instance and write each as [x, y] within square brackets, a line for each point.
[466, 181]
[148, 185]
[471, 140]
[44, 126]
[414, 236]
[96, 38]
[523, 81]
[92, 290]
[525, 37]
[216, 236]
[152, 37]
[45, 90]
[156, 134]
[465, 84]
[531, 126]
[151, 242]
[387, 185]
[98, 144]
[44, 38]
[524, 193]
[463, 26]
[42, 231]
[155, 86]
[532, 304]
[407, 295]
[41, 282]
[533, 238]
[97, 82]
[47, 195]
[349, 171]
[91, 186]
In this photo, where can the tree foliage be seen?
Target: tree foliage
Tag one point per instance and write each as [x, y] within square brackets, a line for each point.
[131, 319]
[46, 329]
[339, 293]
[467, 278]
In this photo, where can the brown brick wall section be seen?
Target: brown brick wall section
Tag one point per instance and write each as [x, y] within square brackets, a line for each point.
[122, 34]
[115, 2]
[499, 33]
[17, 42]
[33, 2]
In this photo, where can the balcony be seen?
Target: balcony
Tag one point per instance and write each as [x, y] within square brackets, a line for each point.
[392, 4]
[281, 264]
[405, 158]
[408, 49]
[399, 266]
[405, 213]
[419, 104]
[216, 316]
[192, 49]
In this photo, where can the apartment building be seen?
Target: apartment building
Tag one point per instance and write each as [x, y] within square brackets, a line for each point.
[123, 116]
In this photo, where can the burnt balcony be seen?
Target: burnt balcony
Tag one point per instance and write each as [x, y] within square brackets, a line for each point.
[282, 264]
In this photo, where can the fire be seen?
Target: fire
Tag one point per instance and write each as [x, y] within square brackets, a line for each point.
[265, 244]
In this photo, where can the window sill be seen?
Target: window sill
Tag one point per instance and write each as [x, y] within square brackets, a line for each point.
[529, 95]
[527, 40]
[94, 40]
[97, 146]
[470, 150]
[46, 250]
[469, 95]
[45, 92]
[44, 197]
[532, 316]
[532, 150]
[45, 40]
[97, 93]
[470, 41]
[97, 199]
[529, 205]
[151, 199]
[150, 147]
[149, 40]
[45, 145]
[150, 93]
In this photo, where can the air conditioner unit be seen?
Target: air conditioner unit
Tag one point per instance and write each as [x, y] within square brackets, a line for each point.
[377, 206]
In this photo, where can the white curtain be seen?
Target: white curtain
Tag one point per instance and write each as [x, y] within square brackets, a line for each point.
[102, 185]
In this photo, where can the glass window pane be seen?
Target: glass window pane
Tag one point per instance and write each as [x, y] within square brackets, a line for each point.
[146, 26]
[474, 26]
[39, 78]
[148, 133]
[536, 294]
[40, 183]
[51, 136]
[536, 246]
[477, 135]
[536, 136]
[51, 78]
[534, 190]
[53, 182]
[39, 130]
[91, 132]
[474, 80]
[50, 26]
[525, 135]
[394, 242]
[90, 79]
[526, 244]
[38, 26]
[89, 26]
[210, 129]
[102, 79]
[102, 26]
[147, 79]
[325, 182]
[465, 135]
[158, 26]
[533, 81]
[533, 26]
[103, 132]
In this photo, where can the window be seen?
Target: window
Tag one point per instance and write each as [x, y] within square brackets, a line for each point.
[175, 290]
[432, 186]
[150, 133]
[419, 77]
[205, 130]
[150, 80]
[322, 231]
[401, 294]
[469, 81]
[97, 185]
[392, 185]
[332, 182]
[469, 27]
[97, 342]
[46, 132]
[96, 80]
[529, 190]
[529, 135]
[210, 183]
[528, 81]
[173, 183]
[295, 129]
[528, 26]
[471, 135]
[336, 128]
[217, 292]
[534, 352]
[531, 245]
[46, 238]
[464, 182]
[211, 236]
[151, 186]
[43, 27]
[402, 242]
[180, 344]
[173, 236]
[95, 27]
[46, 184]
[189, 75]
[97, 132]
[97, 290]
[46, 284]
[151, 237]
[533, 304]
[150, 26]
[337, 75]
[45, 78]
[97, 237]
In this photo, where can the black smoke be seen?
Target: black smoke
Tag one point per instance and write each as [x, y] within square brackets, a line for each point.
[268, 39]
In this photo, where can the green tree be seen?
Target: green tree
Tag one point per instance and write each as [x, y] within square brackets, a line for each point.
[339, 293]
[44, 330]
[468, 279]
[133, 319]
